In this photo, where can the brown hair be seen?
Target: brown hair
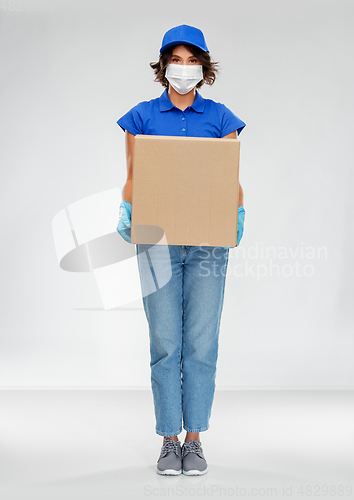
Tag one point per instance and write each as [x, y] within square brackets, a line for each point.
[209, 67]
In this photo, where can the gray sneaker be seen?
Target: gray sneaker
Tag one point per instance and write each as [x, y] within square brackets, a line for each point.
[194, 463]
[170, 460]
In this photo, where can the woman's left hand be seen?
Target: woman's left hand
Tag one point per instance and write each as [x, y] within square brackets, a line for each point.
[240, 224]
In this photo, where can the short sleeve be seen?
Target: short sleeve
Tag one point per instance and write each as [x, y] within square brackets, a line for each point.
[132, 120]
[230, 122]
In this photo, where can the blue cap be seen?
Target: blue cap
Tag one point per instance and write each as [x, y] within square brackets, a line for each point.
[183, 34]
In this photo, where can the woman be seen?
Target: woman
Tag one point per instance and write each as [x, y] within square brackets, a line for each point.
[184, 314]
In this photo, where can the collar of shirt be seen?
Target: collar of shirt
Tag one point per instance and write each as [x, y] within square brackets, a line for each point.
[166, 104]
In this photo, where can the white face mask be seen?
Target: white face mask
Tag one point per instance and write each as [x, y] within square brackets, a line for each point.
[184, 77]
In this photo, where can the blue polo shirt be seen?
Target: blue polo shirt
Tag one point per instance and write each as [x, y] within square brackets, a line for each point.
[204, 118]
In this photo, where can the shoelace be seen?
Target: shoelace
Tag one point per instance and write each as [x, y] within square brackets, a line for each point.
[170, 446]
[192, 447]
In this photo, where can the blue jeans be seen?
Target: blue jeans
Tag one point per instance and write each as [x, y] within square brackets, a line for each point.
[183, 295]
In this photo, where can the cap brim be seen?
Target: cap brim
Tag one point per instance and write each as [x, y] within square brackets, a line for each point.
[181, 42]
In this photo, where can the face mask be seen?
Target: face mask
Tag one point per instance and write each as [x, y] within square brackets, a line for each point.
[184, 77]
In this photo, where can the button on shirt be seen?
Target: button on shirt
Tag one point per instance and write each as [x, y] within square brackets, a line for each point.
[204, 118]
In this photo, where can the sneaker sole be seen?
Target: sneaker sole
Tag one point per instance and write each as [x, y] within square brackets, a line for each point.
[169, 472]
[195, 472]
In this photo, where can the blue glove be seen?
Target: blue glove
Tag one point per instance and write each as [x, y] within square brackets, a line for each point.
[124, 223]
[240, 223]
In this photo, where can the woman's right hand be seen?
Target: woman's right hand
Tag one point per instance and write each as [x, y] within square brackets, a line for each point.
[124, 222]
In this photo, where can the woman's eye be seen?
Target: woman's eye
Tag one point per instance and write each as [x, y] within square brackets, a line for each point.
[174, 59]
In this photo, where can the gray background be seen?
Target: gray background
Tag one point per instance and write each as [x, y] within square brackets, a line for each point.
[68, 73]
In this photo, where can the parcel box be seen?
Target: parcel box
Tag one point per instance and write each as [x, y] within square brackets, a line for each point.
[185, 190]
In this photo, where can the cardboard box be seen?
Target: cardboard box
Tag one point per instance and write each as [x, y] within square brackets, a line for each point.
[185, 191]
